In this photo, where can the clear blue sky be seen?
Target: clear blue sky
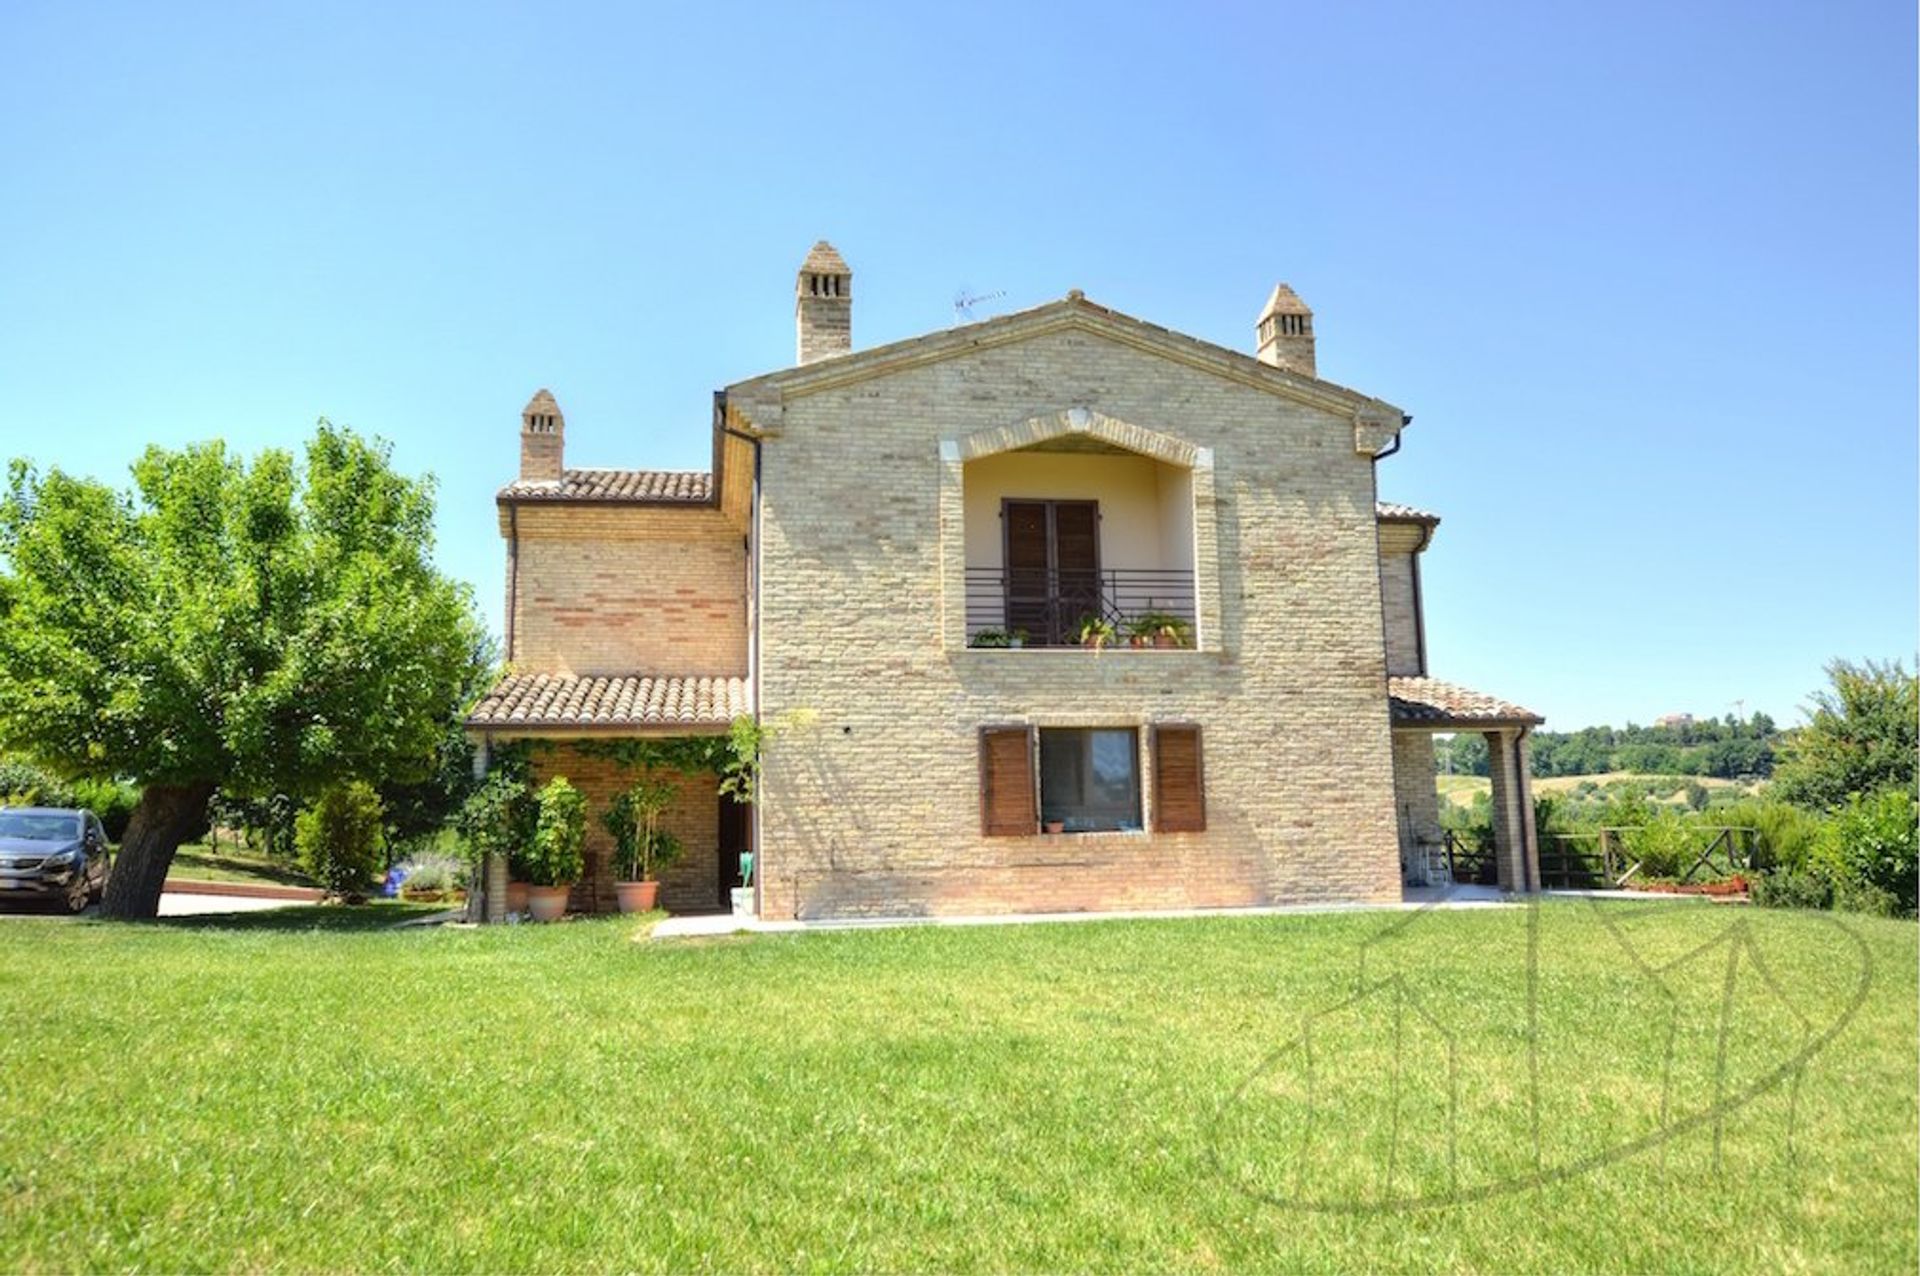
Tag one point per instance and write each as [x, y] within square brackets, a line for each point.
[1644, 274]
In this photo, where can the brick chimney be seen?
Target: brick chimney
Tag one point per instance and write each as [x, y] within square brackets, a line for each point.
[823, 305]
[542, 439]
[1286, 332]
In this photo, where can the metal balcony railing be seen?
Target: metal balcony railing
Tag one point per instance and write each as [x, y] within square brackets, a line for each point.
[1047, 607]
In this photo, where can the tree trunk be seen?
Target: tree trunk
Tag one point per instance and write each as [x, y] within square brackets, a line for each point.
[162, 820]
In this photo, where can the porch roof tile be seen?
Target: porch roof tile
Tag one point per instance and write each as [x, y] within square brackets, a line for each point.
[1393, 512]
[1429, 702]
[609, 702]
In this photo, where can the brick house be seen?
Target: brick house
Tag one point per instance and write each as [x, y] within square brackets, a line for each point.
[875, 519]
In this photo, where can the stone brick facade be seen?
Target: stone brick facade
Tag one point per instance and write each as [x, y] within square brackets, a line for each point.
[872, 807]
[828, 561]
[613, 589]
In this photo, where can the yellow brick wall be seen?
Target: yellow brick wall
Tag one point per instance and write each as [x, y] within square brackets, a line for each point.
[1401, 604]
[871, 804]
[691, 884]
[1416, 797]
[606, 589]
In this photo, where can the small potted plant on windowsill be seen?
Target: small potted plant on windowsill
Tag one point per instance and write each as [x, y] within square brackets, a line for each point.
[556, 861]
[1097, 632]
[1055, 826]
[641, 847]
[1159, 629]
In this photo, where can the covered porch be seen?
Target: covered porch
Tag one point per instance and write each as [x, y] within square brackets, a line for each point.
[601, 732]
[1423, 708]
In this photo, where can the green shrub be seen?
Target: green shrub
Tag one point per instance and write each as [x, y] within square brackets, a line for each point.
[433, 873]
[558, 836]
[1665, 845]
[1783, 835]
[1858, 897]
[1786, 888]
[111, 800]
[1874, 841]
[339, 838]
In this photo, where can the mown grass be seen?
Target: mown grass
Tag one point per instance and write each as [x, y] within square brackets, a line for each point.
[198, 862]
[1110, 1096]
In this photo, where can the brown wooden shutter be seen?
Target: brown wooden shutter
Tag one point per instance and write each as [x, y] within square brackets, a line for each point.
[1179, 793]
[1006, 782]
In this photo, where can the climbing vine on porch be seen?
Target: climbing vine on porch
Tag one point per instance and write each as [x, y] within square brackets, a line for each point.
[734, 757]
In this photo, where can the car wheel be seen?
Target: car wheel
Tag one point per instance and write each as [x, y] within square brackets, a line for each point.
[78, 896]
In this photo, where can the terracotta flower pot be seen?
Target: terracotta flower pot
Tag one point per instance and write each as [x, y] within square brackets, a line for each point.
[1056, 826]
[637, 897]
[516, 897]
[1167, 640]
[548, 903]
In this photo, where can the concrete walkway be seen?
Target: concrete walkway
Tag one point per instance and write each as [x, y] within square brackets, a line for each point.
[1414, 898]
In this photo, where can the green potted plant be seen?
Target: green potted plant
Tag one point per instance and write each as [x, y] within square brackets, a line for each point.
[1097, 632]
[998, 638]
[641, 847]
[1159, 629]
[555, 860]
[498, 820]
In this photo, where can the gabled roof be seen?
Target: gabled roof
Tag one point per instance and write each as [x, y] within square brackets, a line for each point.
[564, 702]
[1429, 702]
[1072, 312]
[616, 487]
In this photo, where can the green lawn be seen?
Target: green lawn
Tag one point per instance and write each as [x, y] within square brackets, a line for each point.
[1113, 1096]
[197, 862]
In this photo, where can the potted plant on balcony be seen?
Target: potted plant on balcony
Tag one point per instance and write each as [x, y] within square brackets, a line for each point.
[555, 861]
[1097, 632]
[641, 847]
[1160, 629]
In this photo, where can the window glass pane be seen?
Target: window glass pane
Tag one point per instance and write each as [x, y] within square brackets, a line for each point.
[1090, 779]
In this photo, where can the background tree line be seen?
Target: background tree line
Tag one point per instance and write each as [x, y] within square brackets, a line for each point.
[1729, 748]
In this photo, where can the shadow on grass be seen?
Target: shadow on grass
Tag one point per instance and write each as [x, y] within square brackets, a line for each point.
[203, 865]
[307, 917]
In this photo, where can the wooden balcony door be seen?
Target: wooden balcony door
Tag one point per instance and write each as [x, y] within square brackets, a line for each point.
[1052, 567]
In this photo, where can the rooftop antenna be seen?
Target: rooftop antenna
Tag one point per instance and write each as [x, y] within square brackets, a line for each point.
[966, 299]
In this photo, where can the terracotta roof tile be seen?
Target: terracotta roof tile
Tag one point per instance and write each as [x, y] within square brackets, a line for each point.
[637, 487]
[630, 700]
[1428, 701]
[1397, 513]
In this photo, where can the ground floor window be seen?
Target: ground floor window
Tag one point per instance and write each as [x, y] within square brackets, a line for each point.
[1089, 779]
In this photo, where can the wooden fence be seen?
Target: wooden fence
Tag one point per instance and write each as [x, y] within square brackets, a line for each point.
[1602, 859]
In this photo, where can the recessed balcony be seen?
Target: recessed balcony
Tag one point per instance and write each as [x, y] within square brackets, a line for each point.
[1076, 542]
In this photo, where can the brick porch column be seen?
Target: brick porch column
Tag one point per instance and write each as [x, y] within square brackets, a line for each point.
[1516, 848]
[495, 871]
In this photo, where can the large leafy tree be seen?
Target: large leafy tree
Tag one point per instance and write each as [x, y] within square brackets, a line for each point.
[259, 627]
[1862, 735]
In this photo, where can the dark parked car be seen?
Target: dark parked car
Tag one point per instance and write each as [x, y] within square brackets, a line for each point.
[48, 853]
